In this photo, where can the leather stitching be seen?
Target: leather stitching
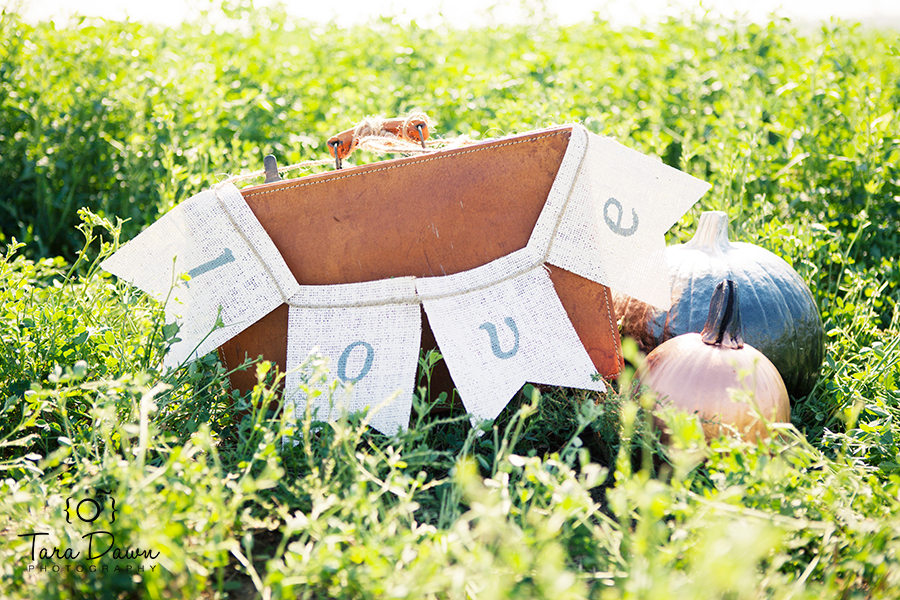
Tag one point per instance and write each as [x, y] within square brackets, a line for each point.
[409, 164]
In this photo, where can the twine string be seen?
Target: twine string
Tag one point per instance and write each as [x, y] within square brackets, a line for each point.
[262, 173]
[418, 297]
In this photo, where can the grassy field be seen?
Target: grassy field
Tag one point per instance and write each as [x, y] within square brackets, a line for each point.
[104, 126]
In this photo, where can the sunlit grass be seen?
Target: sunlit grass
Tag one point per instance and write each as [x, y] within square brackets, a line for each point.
[568, 494]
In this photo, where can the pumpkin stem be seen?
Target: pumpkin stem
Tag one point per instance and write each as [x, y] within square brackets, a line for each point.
[723, 325]
[712, 231]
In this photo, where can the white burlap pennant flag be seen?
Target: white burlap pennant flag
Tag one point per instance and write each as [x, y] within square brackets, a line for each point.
[501, 325]
[371, 334]
[234, 272]
[607, 214]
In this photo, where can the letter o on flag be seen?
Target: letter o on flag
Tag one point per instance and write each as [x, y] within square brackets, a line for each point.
[345, 356]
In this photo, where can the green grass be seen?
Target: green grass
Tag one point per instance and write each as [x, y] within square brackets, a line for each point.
[104, 126]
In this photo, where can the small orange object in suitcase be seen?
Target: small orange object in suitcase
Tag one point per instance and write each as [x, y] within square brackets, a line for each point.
[435, 214]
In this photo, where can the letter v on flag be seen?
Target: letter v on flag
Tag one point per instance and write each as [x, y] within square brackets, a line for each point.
[501, 325]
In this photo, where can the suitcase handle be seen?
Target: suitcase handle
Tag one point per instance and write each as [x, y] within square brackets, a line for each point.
[413, 128]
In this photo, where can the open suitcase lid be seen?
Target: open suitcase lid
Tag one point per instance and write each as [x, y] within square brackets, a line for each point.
[581, 208]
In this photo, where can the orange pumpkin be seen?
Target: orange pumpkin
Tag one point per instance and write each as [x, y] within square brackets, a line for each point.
[697, 372]
[781, 318]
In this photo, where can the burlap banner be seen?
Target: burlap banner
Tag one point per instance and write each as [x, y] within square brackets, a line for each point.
[498, 326]
[210, 261]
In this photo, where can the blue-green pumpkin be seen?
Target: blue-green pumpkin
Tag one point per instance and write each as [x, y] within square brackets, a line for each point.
[780, 316]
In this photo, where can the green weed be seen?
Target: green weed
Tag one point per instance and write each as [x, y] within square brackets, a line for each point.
[104, 126]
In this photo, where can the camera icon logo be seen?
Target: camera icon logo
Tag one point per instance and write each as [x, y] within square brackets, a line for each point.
[88, 510]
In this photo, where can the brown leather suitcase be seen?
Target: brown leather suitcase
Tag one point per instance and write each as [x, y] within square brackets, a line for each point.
[436, 214]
